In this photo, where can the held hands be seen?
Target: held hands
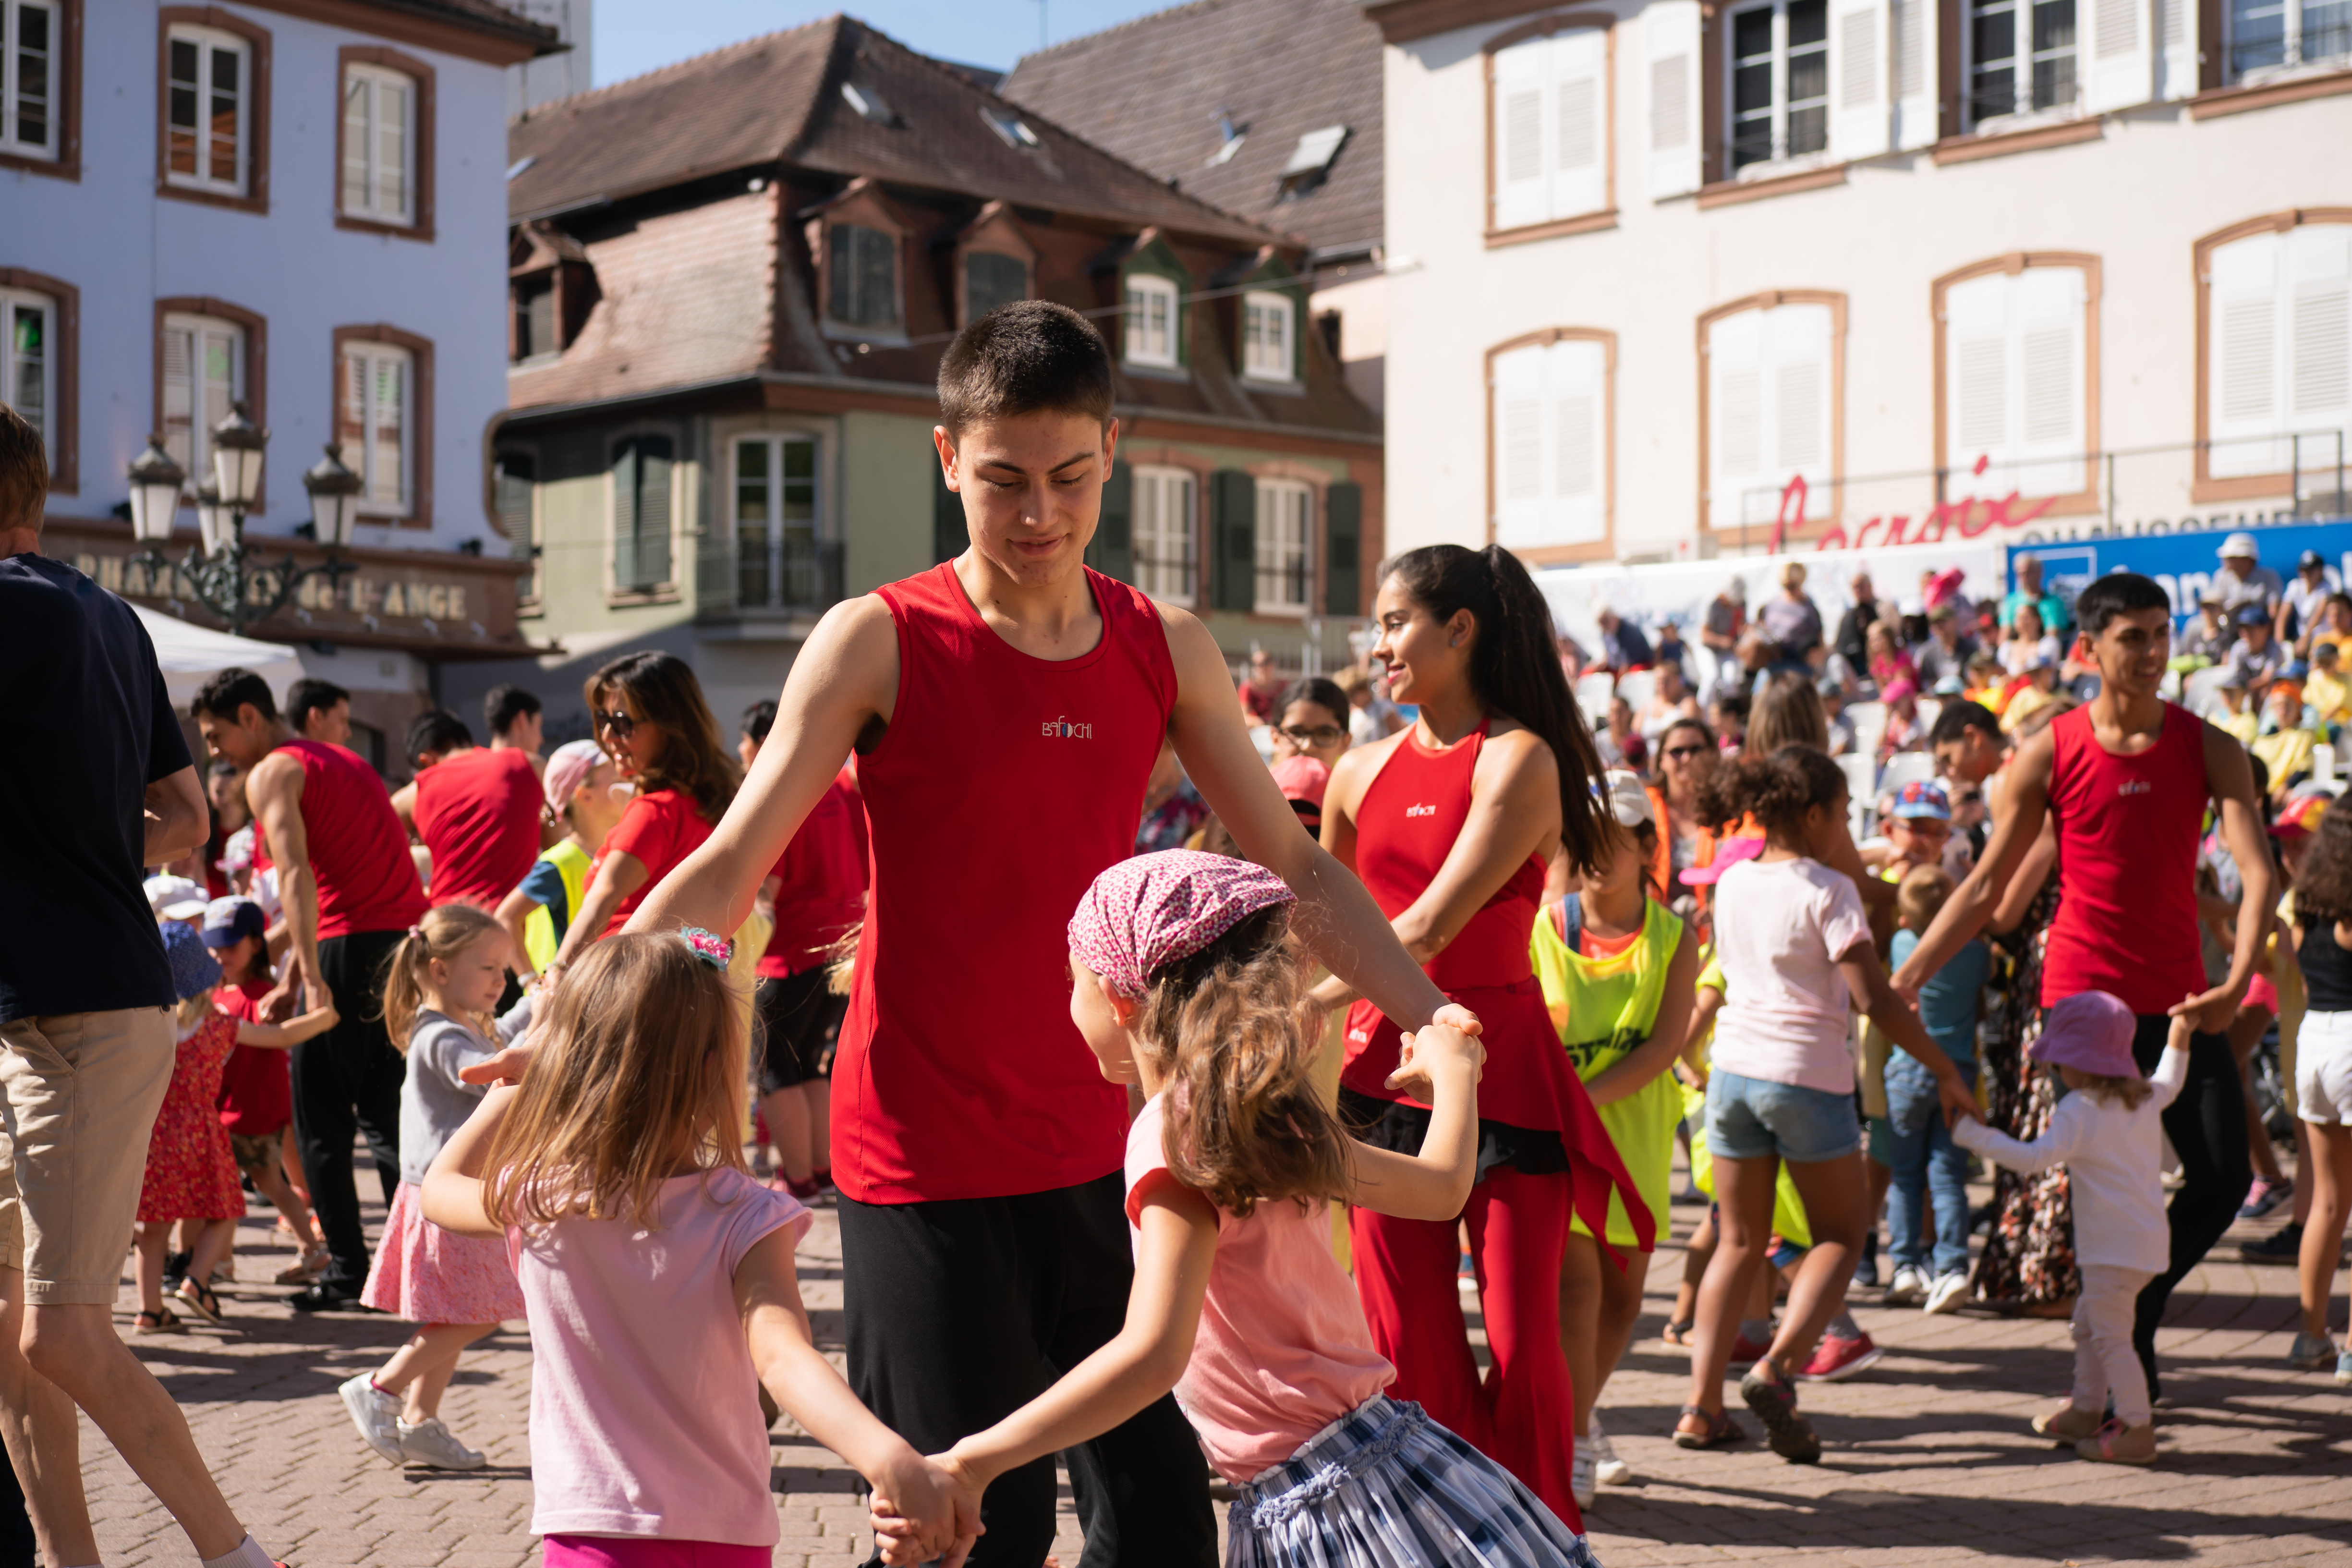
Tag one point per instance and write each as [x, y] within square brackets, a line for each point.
[1960, 1102]
[1440, 1050]
[2206, 1012]
[507, 1065]
[927, 1510]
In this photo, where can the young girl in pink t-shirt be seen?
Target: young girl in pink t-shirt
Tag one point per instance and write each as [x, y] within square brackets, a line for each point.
[658, 1280]
[1187, 984]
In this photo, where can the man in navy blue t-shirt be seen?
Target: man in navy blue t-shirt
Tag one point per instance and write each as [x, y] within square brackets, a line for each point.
[105, 789]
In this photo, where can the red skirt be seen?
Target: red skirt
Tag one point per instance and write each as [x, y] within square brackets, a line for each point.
[1528, 1082]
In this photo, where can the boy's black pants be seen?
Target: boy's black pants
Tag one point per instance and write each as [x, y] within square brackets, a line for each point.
[961, 1310]
[2207, 1125]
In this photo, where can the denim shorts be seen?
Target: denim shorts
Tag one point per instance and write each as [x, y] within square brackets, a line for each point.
[1751, 1118]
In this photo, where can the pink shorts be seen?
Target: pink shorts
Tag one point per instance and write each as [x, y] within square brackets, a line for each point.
[2261, 993]
[648, 1551]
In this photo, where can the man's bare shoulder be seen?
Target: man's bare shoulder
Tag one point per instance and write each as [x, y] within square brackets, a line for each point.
[280, 770]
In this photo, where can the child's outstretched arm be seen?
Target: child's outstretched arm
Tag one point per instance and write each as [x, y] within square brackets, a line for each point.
[1439, 1066]
[1174, 1251]
[1898, 1021]
[2172, 1068]
[1669, 1036]
[2060, 1143]
[919, 1515]
[453, 1184]
[290, 1033]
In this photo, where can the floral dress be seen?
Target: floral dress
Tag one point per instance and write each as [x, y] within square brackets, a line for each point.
[189, 1171]
[2029, 1255]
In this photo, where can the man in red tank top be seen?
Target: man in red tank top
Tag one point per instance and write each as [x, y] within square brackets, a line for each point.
[477, 809]
[2126, 779]
[1007, 708]
[351, 893]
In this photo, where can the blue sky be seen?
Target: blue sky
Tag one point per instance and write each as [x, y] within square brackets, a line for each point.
[635, 36]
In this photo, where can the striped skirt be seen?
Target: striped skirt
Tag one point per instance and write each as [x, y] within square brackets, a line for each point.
[1385, 1487]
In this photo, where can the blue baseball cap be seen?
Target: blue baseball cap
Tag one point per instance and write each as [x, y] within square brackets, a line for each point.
[2253, 615]
[1921, 798]
[228, 921]
[193, 968]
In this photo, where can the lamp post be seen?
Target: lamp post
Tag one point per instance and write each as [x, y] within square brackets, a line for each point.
[226, 575]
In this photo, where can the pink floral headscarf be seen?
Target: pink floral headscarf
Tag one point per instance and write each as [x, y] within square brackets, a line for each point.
[1155, 908]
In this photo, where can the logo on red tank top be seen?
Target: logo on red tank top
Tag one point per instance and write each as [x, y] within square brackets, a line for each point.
[1059, 729]
[1420, 811]
[2135, 786]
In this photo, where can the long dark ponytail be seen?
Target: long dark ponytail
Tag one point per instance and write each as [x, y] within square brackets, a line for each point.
[1514, 669]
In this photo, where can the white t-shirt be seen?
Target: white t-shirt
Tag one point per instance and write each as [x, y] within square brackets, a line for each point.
[1779, 928]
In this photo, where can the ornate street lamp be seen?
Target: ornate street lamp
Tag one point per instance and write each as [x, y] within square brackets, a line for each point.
[226, 575]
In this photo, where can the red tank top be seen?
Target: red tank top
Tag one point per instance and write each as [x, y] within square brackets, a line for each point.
[2128, 833]
[1005, 784]
[1412, 813]
[358, 850]
[823, 873]
[478, 812]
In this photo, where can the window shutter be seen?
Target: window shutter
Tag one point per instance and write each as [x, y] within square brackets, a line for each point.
[1799, 343]
[2319, 338]
[1580, 386]
[1343, 549]
[625, 518]
[950, 536]
[1520, 198]
[1111, 552]
[1233, 526]
[1734, 403]
[1977, 371]
[2049, 309]
[2116, 54]
[1917, 122]
[652, 510]
[1579, 92]
[2243, 360]
[1860, 122]
[2175, 48]
[1519, 478]
[1670, 44]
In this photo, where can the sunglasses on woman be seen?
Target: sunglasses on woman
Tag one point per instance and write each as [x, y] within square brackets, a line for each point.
[617, 723]
[1678, 752]
[1313, 735]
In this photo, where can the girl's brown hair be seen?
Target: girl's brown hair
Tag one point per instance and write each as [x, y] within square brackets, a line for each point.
[1788, 712]
[2133, 1091]
[2323, 885]
[660, 689]
[1244, 1122]
[639, 1069]
[1777, 790]
[443, 933]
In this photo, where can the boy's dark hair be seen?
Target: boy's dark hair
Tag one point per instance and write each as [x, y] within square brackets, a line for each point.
[307, 697]
[231, 689]
[1316, 690]
[24, 472]
[435, 730]
[2118, 593]
[1958, 718]
[504, 705]
[1032, 356]
[758, 720]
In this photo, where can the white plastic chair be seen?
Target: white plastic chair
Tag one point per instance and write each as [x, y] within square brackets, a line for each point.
[2201, 690]
[1262, 737]
[1636, 687]
[1593, 688]
[1906, 767]
[1929, 710]
[1861, 774]
[1869, 722]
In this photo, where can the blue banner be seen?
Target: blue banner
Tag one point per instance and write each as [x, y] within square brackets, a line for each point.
[2185, 563]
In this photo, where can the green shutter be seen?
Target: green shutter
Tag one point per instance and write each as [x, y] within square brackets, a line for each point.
[624, 517]
[1233, 527]
[949, 537]
[1343, 547]
[652, 511]
[1112, 550]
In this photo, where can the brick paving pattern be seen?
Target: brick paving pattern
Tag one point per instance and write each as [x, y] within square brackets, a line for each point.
[1929, 1459]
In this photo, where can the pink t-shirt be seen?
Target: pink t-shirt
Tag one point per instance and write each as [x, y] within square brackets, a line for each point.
[644, 1409]
[1283, 1350]
[1779, 928]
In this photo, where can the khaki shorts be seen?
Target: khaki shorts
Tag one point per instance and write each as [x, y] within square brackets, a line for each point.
[81, 1090]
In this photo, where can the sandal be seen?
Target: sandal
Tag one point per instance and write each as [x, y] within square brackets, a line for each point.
[160, 1322]
[1721, 1430]
[2101, 1448]
[1775, 1403]
[199, 1299]
[309, 1266]
[1675, 1333]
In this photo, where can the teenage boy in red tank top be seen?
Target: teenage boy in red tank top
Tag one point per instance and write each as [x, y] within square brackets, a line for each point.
[1007, 708]
[351, 893]
[2126, 779]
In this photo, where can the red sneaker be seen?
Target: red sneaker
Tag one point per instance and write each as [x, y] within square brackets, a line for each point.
[1835, 1360]
[1746, 1352]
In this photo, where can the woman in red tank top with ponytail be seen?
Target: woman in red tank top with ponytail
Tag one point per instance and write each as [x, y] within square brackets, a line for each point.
[1449, 824]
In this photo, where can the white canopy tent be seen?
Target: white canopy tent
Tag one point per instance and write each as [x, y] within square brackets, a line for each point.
[190, 655]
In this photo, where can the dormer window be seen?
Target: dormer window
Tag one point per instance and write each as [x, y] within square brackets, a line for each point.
[861, 277]
[1150, 320]
[1009, 127]
[534, 316]
[1269, 337]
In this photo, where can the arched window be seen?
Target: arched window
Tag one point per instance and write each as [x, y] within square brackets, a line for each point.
[2275, 355]
[2017, 347]
[1769, 395]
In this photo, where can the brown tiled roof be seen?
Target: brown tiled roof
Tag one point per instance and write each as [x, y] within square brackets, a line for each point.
[1151, 90]
[483, 15]
[778, 99]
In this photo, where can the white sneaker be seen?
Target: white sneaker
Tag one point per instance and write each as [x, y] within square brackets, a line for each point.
[430, 1444]
[1580, 1474]
[375, 1413]
[1909, 1285]
[1607, 1467]
[1948, 1293]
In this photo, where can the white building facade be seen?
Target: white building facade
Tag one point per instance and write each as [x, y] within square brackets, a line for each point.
[296, 206]
[1673, 280]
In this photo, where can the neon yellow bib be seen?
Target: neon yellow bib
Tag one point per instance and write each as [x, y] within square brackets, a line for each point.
[1604, 1008]
[539, 939]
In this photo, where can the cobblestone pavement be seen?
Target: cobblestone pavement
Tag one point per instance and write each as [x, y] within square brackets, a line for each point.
[1929, 1459]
